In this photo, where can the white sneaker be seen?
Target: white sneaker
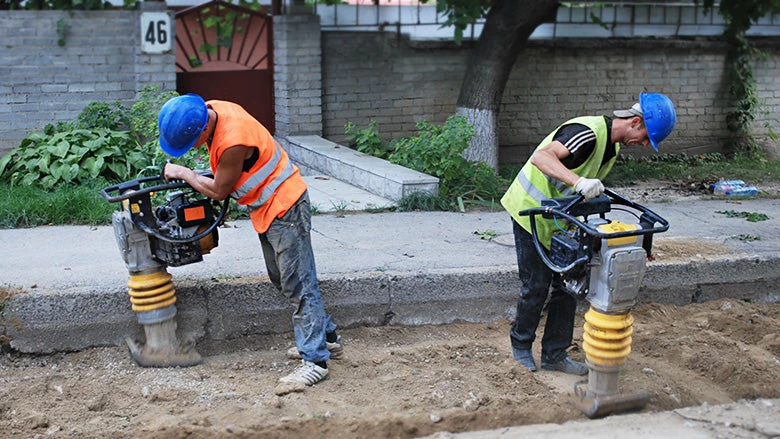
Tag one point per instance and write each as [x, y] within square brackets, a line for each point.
[307, 373]
[336, 350]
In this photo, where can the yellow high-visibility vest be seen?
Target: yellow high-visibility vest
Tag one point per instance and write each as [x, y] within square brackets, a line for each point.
[531, 186]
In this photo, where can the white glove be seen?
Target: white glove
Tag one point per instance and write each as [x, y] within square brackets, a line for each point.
[589, 187]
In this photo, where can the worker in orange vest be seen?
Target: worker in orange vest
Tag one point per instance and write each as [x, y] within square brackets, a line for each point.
[251, 167]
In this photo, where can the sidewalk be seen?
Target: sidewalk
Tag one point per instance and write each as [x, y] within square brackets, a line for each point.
[386, 268]
[375, 268]
[758, 419]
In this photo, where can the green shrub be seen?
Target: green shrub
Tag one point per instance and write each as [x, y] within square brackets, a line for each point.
[106, 140]
[367, 140]
[104, 115]
[437, 150]
[143, 113]
[72, 157]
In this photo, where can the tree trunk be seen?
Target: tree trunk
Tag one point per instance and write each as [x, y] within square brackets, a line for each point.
[507, 28]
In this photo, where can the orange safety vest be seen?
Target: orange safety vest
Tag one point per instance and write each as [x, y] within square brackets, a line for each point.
[274, 184]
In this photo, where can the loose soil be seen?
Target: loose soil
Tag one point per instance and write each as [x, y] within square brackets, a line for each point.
[394, 382]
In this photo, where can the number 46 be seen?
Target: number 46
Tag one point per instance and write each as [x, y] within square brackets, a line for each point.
[157, 32]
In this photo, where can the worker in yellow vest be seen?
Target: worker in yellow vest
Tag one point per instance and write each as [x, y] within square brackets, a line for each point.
[572, 159]
[251, 167]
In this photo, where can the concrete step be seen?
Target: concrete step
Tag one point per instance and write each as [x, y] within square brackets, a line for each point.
[328, 194]
[314, 155]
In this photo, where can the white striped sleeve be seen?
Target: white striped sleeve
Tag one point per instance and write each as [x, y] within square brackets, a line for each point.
[580, 139]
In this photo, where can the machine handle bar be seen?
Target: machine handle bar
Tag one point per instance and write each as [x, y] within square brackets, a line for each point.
[132, 188]
[615, 199]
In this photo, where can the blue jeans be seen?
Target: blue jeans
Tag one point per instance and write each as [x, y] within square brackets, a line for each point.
[537, 280]
[289, 260]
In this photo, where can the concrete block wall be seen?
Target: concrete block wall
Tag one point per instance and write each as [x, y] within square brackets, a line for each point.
[375, 76]
[397, 83]
[325, 79]
[297, 75]
[43, 82]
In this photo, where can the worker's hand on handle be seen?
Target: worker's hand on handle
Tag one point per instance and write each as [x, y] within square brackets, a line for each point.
[589, 187]
[172, 171]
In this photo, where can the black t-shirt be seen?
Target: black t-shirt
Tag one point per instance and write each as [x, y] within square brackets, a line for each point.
[581, 141]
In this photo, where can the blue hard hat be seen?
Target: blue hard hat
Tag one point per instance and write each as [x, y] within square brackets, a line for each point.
[181, 121]
[659, 115]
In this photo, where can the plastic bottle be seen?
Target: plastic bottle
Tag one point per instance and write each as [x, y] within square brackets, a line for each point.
[735, 188]
[744, 191]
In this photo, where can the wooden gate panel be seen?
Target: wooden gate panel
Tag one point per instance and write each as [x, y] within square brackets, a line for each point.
[253, 89]
[234, 66]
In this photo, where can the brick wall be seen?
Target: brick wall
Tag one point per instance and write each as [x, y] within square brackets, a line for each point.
[397, 82]
[297, 75]
[101, 60]
[323, 80]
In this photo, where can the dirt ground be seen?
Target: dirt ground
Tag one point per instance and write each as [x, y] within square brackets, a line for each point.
[394, 382]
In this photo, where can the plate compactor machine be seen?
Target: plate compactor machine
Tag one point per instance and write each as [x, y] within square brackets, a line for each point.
[178, 231]
[601, 260]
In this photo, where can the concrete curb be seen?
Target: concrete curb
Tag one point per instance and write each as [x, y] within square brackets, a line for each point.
[214, 310]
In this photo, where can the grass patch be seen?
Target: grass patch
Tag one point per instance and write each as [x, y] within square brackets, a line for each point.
[30, 206]
[707, 168]
[704, 168]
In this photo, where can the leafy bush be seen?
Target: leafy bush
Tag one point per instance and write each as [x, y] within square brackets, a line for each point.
[143, 113]
[367, 140]
[77, 156]
[106, 140]
[705, 168]
[437, 150]
[104, 115]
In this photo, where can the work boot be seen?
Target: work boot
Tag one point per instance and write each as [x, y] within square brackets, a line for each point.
[566, 365]
[525, 357]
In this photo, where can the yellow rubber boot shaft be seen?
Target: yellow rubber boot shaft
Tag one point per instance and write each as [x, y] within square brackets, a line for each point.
[151, 291]
[607, 338]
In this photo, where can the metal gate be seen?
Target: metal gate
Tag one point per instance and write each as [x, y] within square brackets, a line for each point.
[225, 52]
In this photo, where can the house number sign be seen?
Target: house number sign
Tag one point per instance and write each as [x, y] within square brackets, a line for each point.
[155, 32]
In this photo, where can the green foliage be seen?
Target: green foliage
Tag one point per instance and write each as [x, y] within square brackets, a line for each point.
[76, 156]
[143, 113]
[704, 168]
[367, 140]
[739, 16]
[104, 115]
[436, 151]
[223, 20]
[62, 31]
[107, 141]
[67, 5]
[747, 237]
[423, 201]
[487, 235]
[752, 217]
[461, 13]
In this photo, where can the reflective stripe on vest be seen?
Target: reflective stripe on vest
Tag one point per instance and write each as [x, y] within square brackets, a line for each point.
[531, 185]
[259, 177]
[537, 193]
